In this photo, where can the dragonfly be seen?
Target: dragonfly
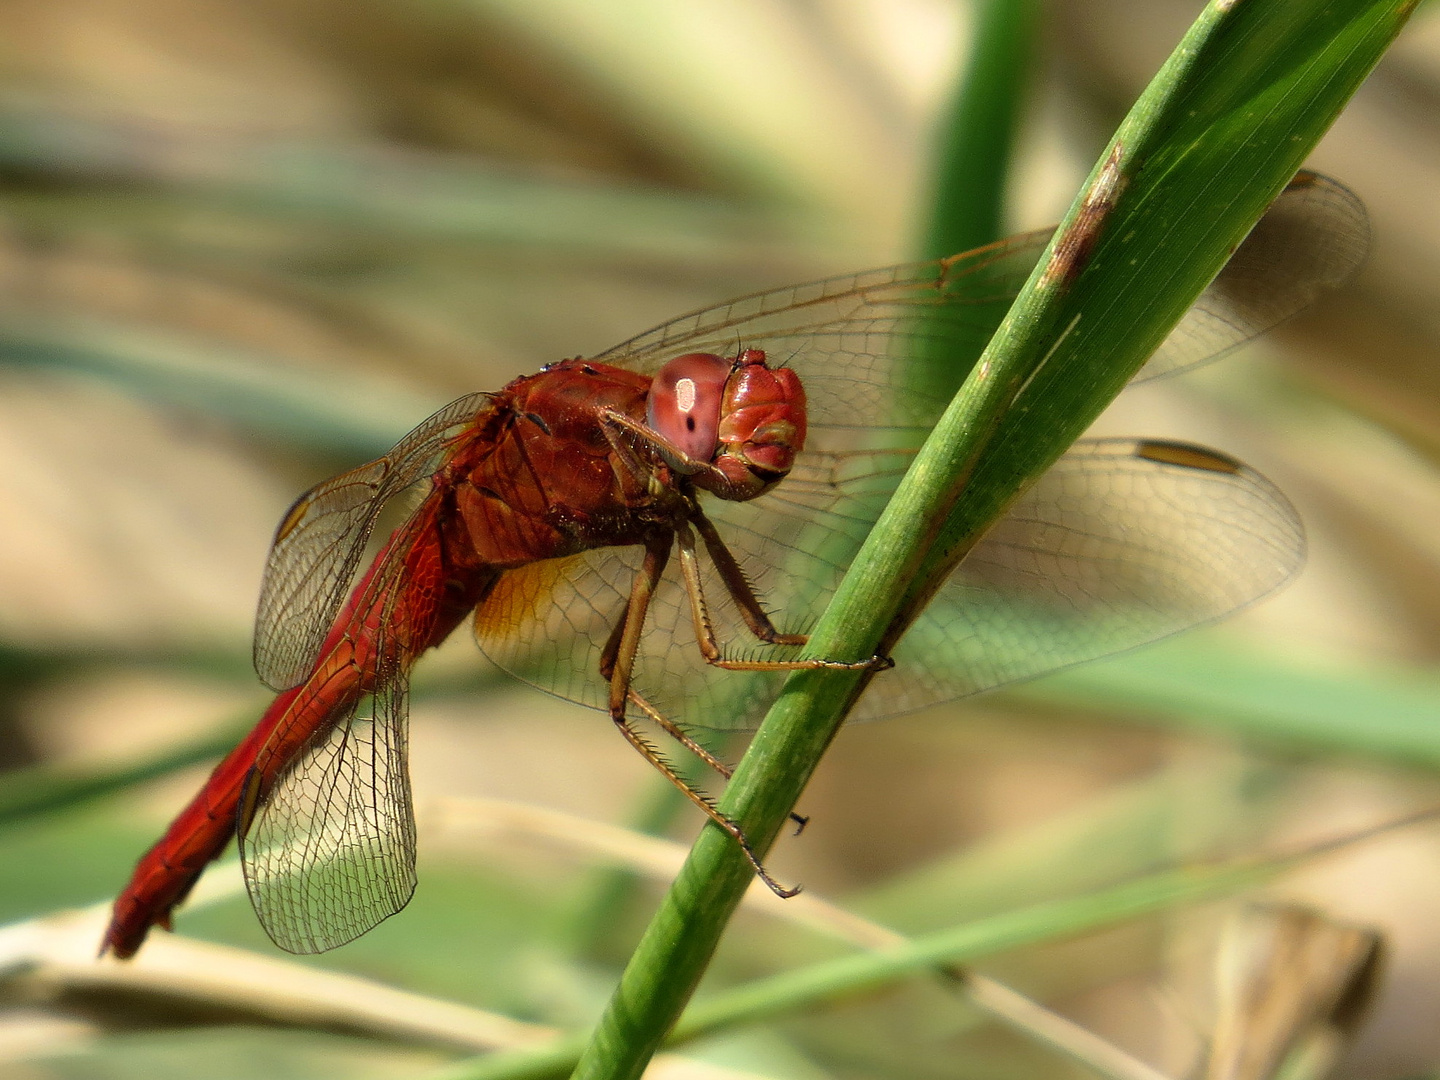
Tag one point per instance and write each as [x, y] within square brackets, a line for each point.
[618, 528]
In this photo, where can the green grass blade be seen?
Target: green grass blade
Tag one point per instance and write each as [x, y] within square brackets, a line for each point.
[377, 189]
[1315, 707]
[26, 792]
[257, 394]
[1214, 138]
[33, 790]
[968, 942]
[975, 139]
[977, 132]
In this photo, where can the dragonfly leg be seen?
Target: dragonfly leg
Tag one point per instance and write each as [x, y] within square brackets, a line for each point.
[706, 804]
[680, 735]
[738, 586]
[674, 456]
[657, 554]
[683, 737]
[626, 636]
[750, 610]
[612, 646]
[616, 422]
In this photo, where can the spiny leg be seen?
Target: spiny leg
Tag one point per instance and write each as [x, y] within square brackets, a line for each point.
[657, 554]
[680, 735]
[707, 805]
[754, 616]
[607, 668]
[685, 739]
[612, 646]
[738, 586]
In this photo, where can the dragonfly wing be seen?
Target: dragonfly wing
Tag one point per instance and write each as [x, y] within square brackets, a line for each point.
[1121, 543]
[327, 834]
[331, 852]
[321, 541]
[1312, 239]
[546, 622]
[855, 340]
[852, 338]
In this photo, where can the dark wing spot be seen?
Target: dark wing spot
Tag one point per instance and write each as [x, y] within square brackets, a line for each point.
[1187, 456]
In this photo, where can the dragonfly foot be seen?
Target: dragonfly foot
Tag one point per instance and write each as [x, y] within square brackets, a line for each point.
[738, 835]
[774, 886]
[800, 821]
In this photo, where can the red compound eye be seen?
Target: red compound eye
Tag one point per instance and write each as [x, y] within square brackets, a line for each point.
[684, 403]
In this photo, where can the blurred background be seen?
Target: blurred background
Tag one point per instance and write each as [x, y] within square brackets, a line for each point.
[245, 244]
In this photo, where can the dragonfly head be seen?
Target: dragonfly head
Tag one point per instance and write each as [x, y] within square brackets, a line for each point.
[743, 417]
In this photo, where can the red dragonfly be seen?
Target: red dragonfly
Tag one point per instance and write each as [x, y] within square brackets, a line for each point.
[551, 509]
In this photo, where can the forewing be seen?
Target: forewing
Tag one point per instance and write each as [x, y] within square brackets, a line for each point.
[851, 338]
[854, 339]
[329, 850]
[1312, 239]
[1121, 543]
[321, 541]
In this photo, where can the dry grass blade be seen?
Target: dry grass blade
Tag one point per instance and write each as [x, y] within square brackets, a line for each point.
[41, 959]
[1294, 985]
[56, 953]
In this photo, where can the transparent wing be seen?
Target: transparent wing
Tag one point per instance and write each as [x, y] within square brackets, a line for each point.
[321, 542]
[546, 623]
[329, 848]
[1121, 543]
[1314, 238]
[852, 339]
[331, 852]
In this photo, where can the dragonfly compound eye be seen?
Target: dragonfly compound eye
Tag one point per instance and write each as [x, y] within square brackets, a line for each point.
[684, 402]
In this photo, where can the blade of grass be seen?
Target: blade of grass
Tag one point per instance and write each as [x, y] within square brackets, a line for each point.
[826, 921]
[376, 188]
[972, 164]
[977, 130]
[1214, 138]
[256, 393]
[1127, 831]
[24, 793]
[1316, 707]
